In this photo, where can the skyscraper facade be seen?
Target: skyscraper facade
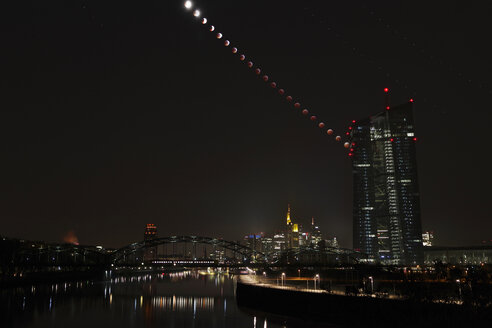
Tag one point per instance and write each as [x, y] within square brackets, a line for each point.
[150, 233]
[386, 204]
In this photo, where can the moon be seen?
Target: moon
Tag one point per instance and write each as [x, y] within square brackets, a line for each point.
[188, 4]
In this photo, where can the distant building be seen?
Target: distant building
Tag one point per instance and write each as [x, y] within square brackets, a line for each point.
[304, 239]
[427, 238]
[386, 203]
[267, 248]
[471, 255]
[292, 232]
[333, 242]
[150, 253]
[316, 236]
[279, 244]
[150, 231]
[253, 241]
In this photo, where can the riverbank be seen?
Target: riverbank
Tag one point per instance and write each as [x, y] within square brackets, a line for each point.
[356, 310]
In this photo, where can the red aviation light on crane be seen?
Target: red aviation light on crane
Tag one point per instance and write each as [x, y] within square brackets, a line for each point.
[386, 90]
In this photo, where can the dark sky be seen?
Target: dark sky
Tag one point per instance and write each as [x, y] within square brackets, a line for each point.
[119, 113]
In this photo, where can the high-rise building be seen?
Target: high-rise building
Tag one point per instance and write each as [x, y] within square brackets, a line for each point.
[279, 244]
[292, 232]
[316, 236]
[386, 204]
[150, 253]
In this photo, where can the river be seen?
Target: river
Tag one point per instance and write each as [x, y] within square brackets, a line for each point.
[179, 299]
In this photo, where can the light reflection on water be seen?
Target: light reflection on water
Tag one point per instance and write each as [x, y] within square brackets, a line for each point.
[184, 299]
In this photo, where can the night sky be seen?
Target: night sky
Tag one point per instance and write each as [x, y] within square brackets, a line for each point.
[119, 113]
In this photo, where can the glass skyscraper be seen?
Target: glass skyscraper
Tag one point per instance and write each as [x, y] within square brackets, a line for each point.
[386, 204]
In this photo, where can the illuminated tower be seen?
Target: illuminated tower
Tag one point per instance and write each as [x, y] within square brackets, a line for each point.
[292, 232]
[386, 204]
[289, 222]
[150, 233]
[316, 236]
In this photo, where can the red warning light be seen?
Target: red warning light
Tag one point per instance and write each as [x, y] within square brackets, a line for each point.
[350, 154]
[386, 90]
[391, 139]
[415, 139]
[387, 107]
[351, 149]
[353, 143]
[350, 128]
[411, 100]
[353, 121]
[347, 133]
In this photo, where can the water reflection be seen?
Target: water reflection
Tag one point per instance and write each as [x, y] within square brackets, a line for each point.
[183, 304]
[179, 299]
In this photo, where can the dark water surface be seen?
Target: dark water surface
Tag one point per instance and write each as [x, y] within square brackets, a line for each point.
[184, 299]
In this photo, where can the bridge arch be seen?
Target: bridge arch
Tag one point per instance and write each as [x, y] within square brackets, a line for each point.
[122, 255]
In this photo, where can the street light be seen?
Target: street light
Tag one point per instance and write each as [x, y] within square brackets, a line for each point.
[299, 272]
[283, 278]
[372, 284]
[316, 277]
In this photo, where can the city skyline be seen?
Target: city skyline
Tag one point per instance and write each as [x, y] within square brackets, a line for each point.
[116, 115]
